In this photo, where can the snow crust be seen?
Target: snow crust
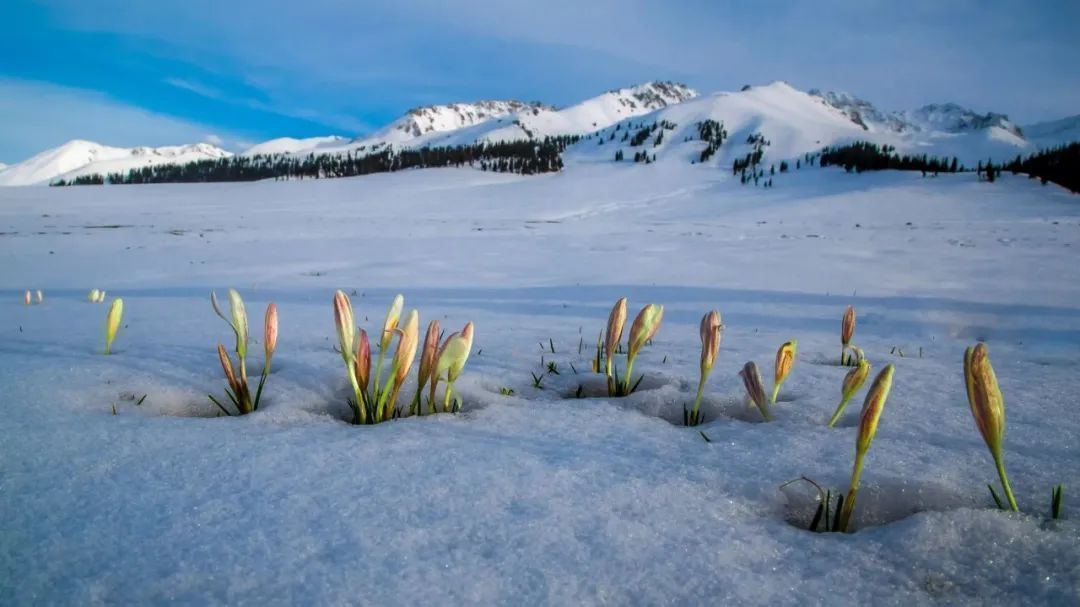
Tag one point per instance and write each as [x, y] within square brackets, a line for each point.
[537, 498]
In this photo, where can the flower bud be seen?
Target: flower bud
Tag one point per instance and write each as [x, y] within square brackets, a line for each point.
[26, 298]
[754, 389]
[616, 322]
[92, 297]
[847, 326]
[346, 327]
[785, 357]
[855, 379]
[226, 366]
[270, 330]
[38, 297]
[406, 348]
[711, 332]
[391, 322]
[872, 408]
[984, 396]
[454, 353]
[363, 360]
[645, 326]
[239, 322]
[112, 322]
[430, 351]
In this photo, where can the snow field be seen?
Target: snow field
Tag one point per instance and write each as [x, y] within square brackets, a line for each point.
[536, 497]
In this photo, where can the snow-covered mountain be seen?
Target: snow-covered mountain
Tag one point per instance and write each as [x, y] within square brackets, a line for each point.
[288, 145]
[1054, 132]
[791, 122]
[80, 157]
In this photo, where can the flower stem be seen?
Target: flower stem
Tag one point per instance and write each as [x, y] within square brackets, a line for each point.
[853, 488]
[839, 411]
[1000, 463]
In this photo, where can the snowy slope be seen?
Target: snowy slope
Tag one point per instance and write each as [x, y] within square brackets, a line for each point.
[79, 157]
[539, 498]
[1054, 133]
[289, 145]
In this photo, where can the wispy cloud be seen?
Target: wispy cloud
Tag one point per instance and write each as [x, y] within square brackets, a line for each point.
[42, 115]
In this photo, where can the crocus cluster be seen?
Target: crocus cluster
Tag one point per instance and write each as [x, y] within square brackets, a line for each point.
[375, 400]
[644, 327]
[96, 296]
[711, 331]
[238, 391]
[35, 297]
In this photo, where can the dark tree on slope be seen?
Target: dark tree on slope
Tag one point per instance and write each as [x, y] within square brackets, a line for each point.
[1060, 165]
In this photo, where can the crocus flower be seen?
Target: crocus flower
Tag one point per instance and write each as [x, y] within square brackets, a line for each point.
[645, 326]
[409, 335]
[785, 357]
[270, 332]
[854, 380]
[847, 329]
[92, 297]
[26, 298]
[391, 322]
[38, 297]
[754, 388]
[988, 408]
[112, 322]
[363, 360]
[226, 366]
[710, 346]
[616, 322]
[428, 361]
[452, 357]
[868, 423]
[346, 327]
[101, 297]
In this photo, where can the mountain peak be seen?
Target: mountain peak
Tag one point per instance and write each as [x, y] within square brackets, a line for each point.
[654, 94]
[420, 121]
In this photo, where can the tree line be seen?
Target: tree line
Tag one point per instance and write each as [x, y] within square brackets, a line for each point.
[522, 157]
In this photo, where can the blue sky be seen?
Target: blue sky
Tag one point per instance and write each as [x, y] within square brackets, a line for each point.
[229, 72]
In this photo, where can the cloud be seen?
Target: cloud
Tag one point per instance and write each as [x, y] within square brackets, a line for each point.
[213, 139]
[39, 116]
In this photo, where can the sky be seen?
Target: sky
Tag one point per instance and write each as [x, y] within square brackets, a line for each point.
[234, 73]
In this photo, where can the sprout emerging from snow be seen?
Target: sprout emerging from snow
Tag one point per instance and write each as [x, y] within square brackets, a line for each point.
[988, 409]
[711, 332]
[868, 423]
[238, 391]
[112, 323]
[785, 357]
[852, 382]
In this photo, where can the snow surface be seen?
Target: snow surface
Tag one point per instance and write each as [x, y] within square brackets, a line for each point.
[537, 498]
[79, 157]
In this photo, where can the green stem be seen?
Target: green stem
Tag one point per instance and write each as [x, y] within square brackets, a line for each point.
[378, 371]
[1000, 463]
[775, 393]
[853, 488]
[361, 402]
[700, 391]
[629, 374]
[839, 410]
[446, 398]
